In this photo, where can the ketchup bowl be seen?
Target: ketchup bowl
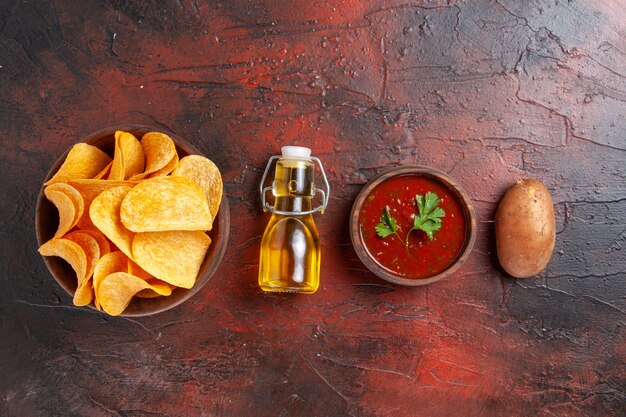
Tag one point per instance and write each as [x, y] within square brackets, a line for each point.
[413, 225]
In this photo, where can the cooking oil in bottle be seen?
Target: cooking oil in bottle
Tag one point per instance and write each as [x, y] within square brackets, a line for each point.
[290, 249]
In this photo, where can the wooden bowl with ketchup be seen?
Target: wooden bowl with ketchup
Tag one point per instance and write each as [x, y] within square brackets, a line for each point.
[409, 256]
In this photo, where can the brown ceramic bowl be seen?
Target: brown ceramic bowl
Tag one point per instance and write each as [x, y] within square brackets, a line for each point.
[443, 179]
[46, 222]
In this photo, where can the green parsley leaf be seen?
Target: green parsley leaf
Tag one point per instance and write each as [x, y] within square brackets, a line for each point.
[429, 217]
[387, 225]
[431, 201]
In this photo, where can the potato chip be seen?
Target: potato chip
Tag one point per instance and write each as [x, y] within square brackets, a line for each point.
[83, 161]
[83, 294]
[116, 172]
[159, 150]
[163, 288]
[84, 290]
[156, 281]
[85, 223]
[107, 265]
[158, 289]
[167, 169]
[67, 211]
[166, 203]
[206, 174]
[70, 251]
[103, 242]
[91, 188]
[105, 215]
[90, 247]
[174, 257]
[104, 173]
[74, 195]
[138, 271]
[148, 293]
[134, 158]
[116, 291]
[128, 157]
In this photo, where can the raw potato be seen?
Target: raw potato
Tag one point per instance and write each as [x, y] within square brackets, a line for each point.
[525, 228]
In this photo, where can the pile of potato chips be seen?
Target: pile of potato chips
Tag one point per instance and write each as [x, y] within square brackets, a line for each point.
[133, 225]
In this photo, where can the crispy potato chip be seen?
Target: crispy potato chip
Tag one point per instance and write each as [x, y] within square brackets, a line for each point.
[128, 157]
[116, 290]
[70, 251]
[148, 293]
[67, 211]
[174, 257]
[159, 150]
[134, 158]
[105, 215]
[104, 173]
[83, 161]
[163, 288]
[85, 223]
[158, 289]
[90, 247]
[167, 169]
[107, 265]
[156, 281]
[103, 242]
[166, 203]
[84, 291]
[116, 172]
[91, 188]
[74, 195]
[138, 271]
[84, 294]
[204, 172]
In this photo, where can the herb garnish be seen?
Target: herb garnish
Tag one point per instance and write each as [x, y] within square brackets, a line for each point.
[387, 225]
[428, 218]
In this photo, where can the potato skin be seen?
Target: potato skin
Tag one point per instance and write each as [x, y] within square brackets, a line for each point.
[525, 228]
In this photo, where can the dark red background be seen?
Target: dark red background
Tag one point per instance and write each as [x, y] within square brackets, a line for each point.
[487, 91]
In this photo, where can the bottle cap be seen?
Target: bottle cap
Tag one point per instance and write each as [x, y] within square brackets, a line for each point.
[296, 152]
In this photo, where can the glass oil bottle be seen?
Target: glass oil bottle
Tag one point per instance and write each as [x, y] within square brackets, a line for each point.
[290, 249]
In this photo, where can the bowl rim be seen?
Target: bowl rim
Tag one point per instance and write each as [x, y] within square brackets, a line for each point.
[223, 216]
[462, 197]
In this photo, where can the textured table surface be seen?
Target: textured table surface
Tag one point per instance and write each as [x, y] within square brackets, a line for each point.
[487, 91]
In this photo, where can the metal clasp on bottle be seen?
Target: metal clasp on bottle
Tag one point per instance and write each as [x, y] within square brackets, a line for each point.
[325, 194]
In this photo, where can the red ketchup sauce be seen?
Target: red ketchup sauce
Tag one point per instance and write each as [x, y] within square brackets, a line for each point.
[424, 257]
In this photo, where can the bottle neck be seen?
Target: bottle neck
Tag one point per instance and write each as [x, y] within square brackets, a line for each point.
[293, 204]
